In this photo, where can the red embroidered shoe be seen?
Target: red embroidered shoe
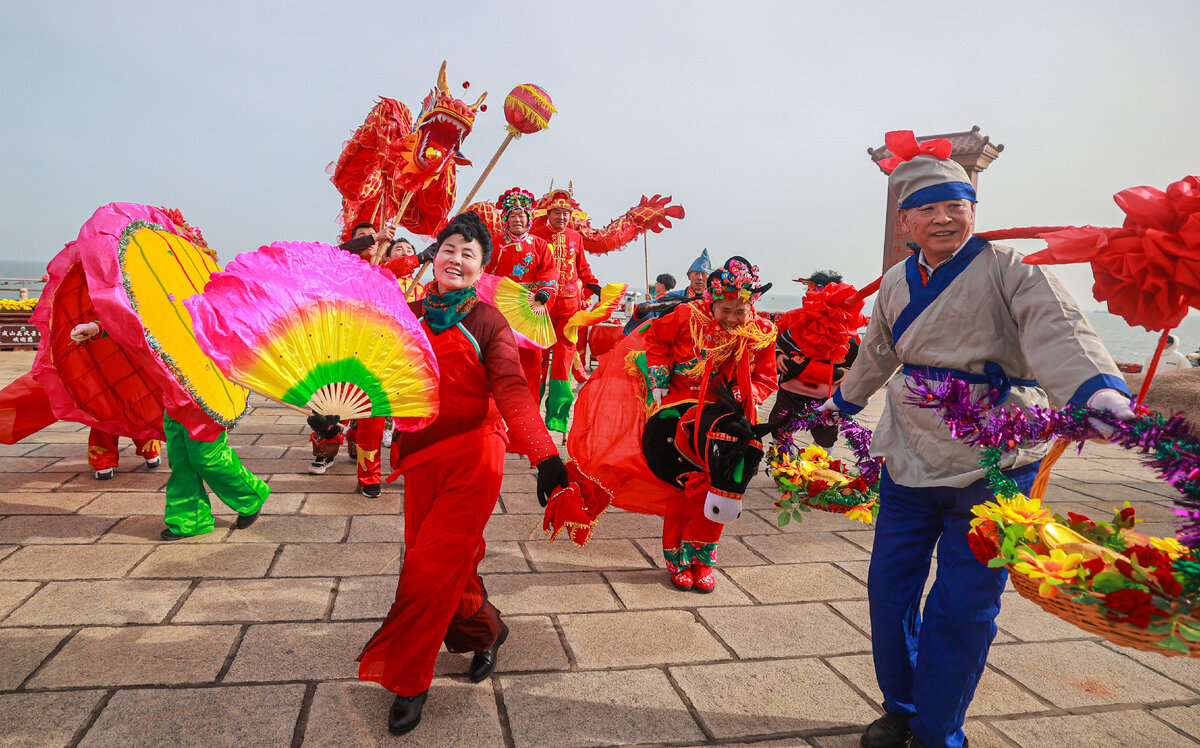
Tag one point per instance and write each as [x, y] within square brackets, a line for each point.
[681, 578]
[705, 579]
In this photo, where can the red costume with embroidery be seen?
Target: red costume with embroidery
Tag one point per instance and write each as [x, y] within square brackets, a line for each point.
[688, 353]
[527, 259]
[452, 472]
[103, 451]
[570, 246]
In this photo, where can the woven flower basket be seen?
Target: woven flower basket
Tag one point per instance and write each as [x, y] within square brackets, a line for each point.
[1087, 617]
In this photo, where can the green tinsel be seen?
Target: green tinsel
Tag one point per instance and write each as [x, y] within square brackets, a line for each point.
[999, 483]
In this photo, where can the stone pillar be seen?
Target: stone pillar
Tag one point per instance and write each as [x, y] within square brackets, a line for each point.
[972, 150]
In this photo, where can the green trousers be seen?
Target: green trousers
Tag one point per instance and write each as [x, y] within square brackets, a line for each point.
[194, 463]
[558, 405]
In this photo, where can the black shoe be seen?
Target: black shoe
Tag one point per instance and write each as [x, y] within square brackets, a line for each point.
[889, 731]
[915, 742]
[483, 663]
[371, 492]
[405, 713]
[169, 534]
[245, 520]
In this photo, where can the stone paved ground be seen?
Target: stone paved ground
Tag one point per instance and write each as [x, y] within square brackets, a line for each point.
[109, 638]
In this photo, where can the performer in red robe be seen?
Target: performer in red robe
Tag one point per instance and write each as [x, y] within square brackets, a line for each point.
[528, 260]
[452, 472]
[568, 247]
[718, 339]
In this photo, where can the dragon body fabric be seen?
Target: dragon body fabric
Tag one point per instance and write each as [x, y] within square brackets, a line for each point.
[390, 156]
[652, 214]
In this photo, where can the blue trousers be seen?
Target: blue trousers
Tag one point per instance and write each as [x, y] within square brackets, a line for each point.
[930, 668]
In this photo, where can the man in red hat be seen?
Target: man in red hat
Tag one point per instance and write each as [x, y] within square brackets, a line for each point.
[528, 260]
[567, 243]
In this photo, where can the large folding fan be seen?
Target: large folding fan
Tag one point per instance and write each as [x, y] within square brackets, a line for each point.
[532, 328]
[317, 328]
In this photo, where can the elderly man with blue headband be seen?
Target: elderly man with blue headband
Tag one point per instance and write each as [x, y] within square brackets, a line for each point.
[959, 307]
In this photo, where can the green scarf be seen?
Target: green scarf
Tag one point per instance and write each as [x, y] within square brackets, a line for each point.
[445, 310]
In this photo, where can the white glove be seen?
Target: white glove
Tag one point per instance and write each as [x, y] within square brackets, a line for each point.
[85, 331]
[1110, 401]
[658, 395]
[829, 406]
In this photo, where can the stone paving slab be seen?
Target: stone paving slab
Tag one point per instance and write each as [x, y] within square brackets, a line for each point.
[652, 589]
[299, 651]
[239, 715]
[138, 655]
[99, 602]
[207, 560]
[238, 600]
[1100, 730]
[13, 594]
[37, 720]
[741, 699]
[44, 562]
[596, 708]
[784, 630]
[653, 637]
[1083, 673]
[456, 715]
[22, 650]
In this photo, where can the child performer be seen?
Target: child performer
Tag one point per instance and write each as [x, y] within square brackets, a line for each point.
[193, 464]
[716, 339]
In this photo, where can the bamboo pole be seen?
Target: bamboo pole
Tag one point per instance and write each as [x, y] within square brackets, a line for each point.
[487, 170]
[646, 257]
[408, 197]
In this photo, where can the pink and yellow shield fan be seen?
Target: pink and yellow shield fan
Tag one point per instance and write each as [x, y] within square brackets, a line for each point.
[532, 328]
[316, 328]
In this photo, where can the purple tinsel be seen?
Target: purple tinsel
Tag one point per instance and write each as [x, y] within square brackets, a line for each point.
[858, 438]
[1168, 446]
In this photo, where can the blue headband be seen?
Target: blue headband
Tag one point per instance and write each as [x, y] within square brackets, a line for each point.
[939, 193]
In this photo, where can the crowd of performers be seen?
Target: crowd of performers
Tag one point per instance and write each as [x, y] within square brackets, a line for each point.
[959, 307]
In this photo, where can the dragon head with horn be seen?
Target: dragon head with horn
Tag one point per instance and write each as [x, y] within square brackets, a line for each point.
[441, 127]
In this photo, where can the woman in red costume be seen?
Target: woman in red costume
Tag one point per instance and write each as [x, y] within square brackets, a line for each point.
[452, 472]
[718, 339]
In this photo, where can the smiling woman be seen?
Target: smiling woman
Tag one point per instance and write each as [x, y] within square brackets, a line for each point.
[452, 472]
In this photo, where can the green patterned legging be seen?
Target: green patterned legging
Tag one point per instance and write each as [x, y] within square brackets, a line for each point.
[194, 463]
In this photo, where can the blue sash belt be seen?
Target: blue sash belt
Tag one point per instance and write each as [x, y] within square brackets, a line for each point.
[994, 377]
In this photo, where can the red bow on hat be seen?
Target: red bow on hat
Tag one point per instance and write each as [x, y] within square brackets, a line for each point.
[904, 147]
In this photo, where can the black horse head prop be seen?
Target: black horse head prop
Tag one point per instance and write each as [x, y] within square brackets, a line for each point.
[687, 441]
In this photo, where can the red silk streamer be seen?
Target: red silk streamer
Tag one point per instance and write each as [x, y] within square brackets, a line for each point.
[904, 147]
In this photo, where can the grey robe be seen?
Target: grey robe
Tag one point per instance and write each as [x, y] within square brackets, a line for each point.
[996, 309]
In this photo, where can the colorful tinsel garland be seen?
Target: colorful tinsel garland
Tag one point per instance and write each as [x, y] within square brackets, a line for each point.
[795, 471]
[1168, 446]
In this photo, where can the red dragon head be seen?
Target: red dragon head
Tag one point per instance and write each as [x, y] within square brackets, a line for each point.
[441, 126]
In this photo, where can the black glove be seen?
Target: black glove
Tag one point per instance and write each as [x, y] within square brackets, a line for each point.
[552, 474]
[790, 370]
[325, 427]
[427, 254]
[594, 288]
[542, 296]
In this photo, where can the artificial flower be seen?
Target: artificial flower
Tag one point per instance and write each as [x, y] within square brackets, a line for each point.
[1053, 570]
[1172, 547]
[983, 541]
[861, 513]
[1130, 605]
[815, 453]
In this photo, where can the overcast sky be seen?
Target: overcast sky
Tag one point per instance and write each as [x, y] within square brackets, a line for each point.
[755, 116]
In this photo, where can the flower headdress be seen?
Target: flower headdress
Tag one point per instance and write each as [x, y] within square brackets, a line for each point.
[515, 199]
[736, 281]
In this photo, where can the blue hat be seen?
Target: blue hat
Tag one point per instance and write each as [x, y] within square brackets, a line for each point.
[702, 264]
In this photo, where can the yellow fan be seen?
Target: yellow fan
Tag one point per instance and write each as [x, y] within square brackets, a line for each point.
[532, 328]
